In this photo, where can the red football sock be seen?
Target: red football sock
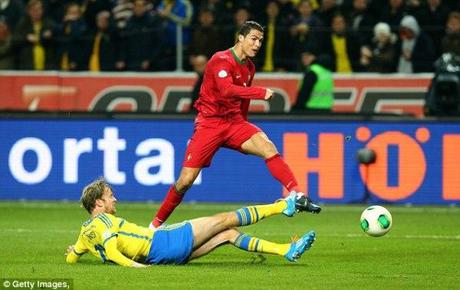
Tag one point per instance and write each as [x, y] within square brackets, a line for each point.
[281, 171]
[172, 200]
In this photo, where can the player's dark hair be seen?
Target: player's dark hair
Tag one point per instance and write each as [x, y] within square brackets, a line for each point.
[92, 192]
[248, 26]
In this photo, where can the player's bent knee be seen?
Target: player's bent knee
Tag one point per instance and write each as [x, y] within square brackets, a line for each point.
[231, 235]
[188, 176]
[269, 149]
[226, 220]
[182, 188]
[184, 183]
[226, 236]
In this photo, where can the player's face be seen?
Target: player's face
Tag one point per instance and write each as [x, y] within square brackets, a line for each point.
[109, 201]
[252, 42]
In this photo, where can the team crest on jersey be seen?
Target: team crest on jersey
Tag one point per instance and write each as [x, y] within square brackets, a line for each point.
[222, 74]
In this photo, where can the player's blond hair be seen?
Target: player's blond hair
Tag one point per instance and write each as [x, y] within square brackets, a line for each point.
[92, 192]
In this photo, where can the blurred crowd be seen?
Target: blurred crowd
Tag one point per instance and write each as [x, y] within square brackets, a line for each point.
[383, 36]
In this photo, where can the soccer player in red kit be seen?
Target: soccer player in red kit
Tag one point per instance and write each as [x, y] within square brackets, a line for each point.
[222, 120]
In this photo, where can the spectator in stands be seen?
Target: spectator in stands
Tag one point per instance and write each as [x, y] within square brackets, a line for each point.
[379, 55]
[55, 9]
[103, 44]
[343, 45]
[11, 11]
[451, 41]
[392, 13]
[122, 11]
[288, 11]
[223, 10]
[240, 16]
[317, 87]
[432, 18]
[206, 37]
[33, 39]
[327, 10]
[274, 53]
[6, 46]
[91, 9]
[141, 40]
[174, 13]
[70, 37]
[305, 32]
[415, 51]
[361, 21]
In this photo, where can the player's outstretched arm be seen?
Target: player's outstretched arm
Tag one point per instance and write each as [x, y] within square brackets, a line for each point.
[72, 255]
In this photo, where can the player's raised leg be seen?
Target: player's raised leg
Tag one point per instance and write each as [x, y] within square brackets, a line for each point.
[175, 195]
[260, 145]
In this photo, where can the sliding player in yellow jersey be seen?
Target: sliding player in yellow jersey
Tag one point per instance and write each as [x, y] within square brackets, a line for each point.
[114, 239]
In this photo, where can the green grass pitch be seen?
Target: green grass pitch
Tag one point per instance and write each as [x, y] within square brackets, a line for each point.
[422, 250]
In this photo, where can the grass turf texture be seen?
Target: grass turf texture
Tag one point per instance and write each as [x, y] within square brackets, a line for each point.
[422, 250]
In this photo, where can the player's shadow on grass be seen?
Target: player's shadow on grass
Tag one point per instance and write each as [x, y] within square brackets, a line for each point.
[94, 263]
[257, 260]
[224, 264]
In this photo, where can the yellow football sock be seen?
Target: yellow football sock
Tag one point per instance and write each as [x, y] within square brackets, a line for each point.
[252, 214]
[252, 244]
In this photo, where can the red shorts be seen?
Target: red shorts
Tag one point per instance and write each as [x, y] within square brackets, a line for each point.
[212, 133]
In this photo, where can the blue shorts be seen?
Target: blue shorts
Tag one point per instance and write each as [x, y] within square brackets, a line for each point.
[171, 244]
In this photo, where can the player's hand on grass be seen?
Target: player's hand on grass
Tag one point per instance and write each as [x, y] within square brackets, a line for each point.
[69, 250]
[268, 94]
[139, 265]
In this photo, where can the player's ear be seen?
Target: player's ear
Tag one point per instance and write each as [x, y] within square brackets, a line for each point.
[240, 38]
[99, 202]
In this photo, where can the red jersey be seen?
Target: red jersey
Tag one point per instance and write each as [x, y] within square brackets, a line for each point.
[226, 91]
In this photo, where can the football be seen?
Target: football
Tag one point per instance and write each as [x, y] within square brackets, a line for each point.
[376, 221]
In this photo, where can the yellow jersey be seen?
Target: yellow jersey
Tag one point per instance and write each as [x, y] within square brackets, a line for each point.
[112, 239]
